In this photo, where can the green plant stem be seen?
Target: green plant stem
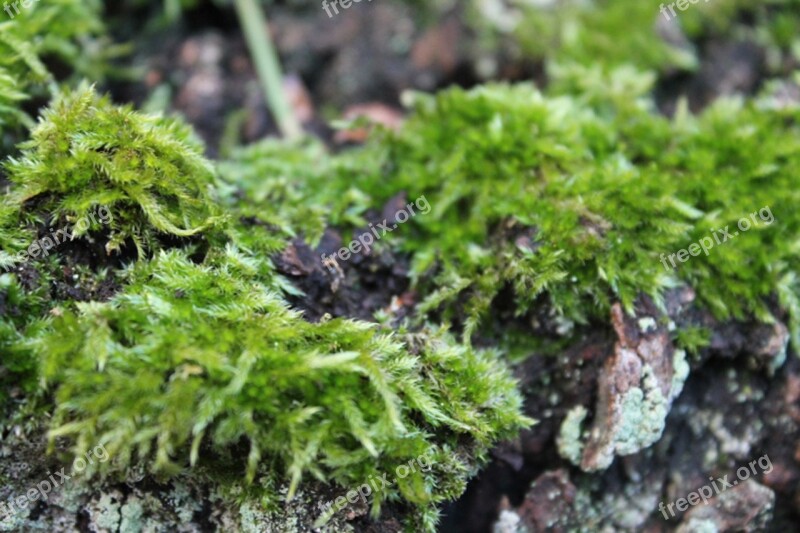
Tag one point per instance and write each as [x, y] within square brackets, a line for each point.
[265, 58]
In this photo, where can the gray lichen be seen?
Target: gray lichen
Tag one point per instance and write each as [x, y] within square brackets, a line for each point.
[636, 387]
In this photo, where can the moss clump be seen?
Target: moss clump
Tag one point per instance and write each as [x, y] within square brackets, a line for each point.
[191, 354]
[572, 201]
[64, 28]
[148, 171]
[577, 201]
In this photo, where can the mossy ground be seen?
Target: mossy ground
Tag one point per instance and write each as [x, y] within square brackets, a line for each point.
[174, 344]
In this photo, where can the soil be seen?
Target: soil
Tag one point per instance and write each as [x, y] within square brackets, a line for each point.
[366, 283]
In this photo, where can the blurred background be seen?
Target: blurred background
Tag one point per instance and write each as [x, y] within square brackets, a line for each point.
[190, 56]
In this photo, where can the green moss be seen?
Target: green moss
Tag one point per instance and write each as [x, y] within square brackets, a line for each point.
[20, 310]
[608, 34]
[693, 339]
[69, 31]
[10, 98]
[199, 355]
[148, 171]
[261, 184]
[190, 356]
[575, 199]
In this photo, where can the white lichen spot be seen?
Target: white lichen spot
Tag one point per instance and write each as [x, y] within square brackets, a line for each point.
[680, 371]
[647, 324]
[699, 525]
[569, 442]
[710, 458]
[508, 522]
[564, 326]
[643, 413]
